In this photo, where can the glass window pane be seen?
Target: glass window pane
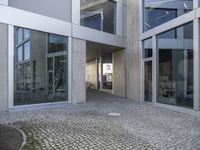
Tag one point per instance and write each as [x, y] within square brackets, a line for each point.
[57, 43]
[99, 15]
[147, 50]
[159, 12]
[26, 34]
[148, 81]
[175, 76]
[19, 35]
[27, 51]
[20, 54]
[43, 78]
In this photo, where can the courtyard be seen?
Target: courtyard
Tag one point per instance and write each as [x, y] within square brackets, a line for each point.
[89, 126]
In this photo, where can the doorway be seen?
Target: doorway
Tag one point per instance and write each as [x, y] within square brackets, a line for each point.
[57, 76]
[148, 81]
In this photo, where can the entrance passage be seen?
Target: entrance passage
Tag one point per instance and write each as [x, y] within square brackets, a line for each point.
[105, 68]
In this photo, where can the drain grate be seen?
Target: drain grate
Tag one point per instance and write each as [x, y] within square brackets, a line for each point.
[115, 114]
[116, 102]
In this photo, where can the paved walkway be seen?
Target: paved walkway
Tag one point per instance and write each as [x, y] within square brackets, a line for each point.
[88, 126]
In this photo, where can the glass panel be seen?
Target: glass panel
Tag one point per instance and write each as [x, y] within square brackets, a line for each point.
[26, 34]
[99, 15]
[56, 43]
[147, 46]
[27, 50]
[60, 78]
[175, 76]
[148, 81]
[20, 54]
[159, 12]
[43, 78]
[19, 35]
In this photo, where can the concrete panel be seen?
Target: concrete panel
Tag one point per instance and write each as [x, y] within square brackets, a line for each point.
[119, 75]
[21, 18]
[3, 67]
[78, 71]
[98, 36]
[133, 65]
[4, 2]
[53, 8]
[91, 74]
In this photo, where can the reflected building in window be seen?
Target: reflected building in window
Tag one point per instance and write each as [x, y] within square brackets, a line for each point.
[99, 15]
[159, 12]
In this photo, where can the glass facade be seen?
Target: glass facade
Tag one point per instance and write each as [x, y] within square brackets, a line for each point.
[40, 67]
[175, 67]
[159, 12]
[99, 15]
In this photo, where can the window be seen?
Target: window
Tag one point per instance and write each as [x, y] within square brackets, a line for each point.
[147, 48]
[56, 43]
[40, 67]
[26, 34]
[175, 68]
[19, 35]
[159, 12]
[99, 15]
[147, 55]
[27, 50]
[20, 54]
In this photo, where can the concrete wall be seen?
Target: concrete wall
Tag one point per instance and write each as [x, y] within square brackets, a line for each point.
[4, 2]
[133, 65]
[60, 9]
[3, 67]
[119, 75]
[91, 73]
[78, 71]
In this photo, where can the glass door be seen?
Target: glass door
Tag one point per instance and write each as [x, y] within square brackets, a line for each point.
[57, 78]
[148, 81]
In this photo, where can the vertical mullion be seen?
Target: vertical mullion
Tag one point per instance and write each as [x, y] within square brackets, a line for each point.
[10, 66]
[142, 71]
[69, 70]
[154, 67]
[195, 4]
[196, 65]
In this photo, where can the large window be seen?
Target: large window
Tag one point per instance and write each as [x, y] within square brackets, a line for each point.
[158, 12]
[99, 15]
[175, 67]
[40, 67]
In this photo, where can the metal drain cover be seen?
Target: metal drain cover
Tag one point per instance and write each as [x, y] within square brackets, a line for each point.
[114, 114]
[116, 102]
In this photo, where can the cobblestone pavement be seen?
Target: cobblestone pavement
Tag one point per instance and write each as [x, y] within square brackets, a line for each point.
[88, 126]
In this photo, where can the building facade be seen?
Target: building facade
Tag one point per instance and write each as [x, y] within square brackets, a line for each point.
[144, 50]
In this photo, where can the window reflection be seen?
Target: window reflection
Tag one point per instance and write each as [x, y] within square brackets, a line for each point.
[147, 53]
[159, 12]
[175, 76]
[40, 68]
[99, 15]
